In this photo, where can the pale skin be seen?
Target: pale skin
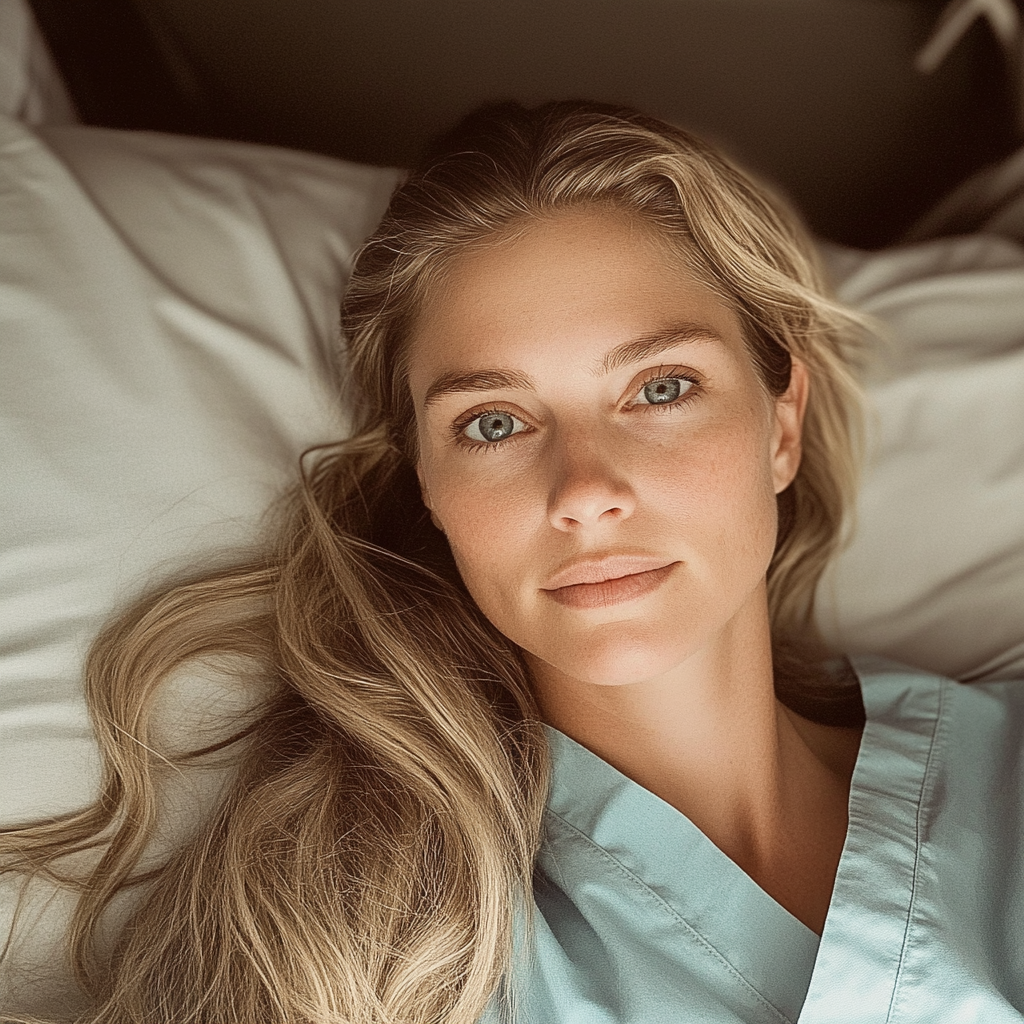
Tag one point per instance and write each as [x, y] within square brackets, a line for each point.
[635, 427]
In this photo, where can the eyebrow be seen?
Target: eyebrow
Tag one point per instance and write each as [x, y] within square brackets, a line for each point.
[655, 343]
[628, 352]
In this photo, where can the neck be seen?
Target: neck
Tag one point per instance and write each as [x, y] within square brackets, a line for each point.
[768, 788]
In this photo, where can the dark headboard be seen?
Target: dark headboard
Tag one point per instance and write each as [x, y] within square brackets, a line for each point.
[818, 95]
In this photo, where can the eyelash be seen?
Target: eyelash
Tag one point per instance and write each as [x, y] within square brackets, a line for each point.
[650, 378]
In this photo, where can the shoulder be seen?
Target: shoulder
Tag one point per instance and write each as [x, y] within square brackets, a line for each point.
[898, 694]
[968, 737]
[937, 809]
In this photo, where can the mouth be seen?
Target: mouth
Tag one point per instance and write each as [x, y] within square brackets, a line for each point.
[602, 568]
[614, 589]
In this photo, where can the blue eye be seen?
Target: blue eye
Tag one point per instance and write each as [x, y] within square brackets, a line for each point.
[663, 391]
[491, 427]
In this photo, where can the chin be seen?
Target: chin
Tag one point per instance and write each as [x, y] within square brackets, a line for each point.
[615, 662]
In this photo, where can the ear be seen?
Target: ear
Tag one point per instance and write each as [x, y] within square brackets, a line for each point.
[789, 421]
[425, 495]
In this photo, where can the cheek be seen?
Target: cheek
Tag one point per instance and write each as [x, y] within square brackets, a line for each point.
[713, 500]
[723, 474]
[487, 524]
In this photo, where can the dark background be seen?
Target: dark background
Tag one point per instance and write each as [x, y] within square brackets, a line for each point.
[820, 96]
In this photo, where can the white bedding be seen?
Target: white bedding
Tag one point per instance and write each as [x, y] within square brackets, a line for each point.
[935, 574]
[169, 329]
[31, 88]
[168, 340]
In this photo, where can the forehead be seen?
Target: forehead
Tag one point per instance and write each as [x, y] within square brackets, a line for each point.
[562, 290]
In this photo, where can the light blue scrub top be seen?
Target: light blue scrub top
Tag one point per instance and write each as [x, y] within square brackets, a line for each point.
[640, 918]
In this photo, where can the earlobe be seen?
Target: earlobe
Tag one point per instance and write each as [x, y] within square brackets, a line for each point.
[789, 419]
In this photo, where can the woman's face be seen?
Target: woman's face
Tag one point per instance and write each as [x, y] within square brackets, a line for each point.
[596, 445]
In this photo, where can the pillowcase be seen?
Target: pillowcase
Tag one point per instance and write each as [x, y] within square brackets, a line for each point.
[170, 344]
[168, 316]
[30, 85]
[934, 576]
[169, 328]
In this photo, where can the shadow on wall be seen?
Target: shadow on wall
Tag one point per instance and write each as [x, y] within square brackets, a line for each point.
[821, 96]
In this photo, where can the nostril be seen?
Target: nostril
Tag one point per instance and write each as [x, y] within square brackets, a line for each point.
[587, 484]
[586, 510]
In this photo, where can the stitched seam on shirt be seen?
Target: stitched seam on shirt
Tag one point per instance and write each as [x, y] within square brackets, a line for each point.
[925, 786]
[673, 913]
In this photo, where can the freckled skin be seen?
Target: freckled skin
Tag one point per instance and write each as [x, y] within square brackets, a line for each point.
[674, 686]
[695, 484]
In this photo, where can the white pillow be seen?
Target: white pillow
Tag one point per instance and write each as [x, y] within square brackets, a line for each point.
[30, 85]
[935, 574]
[168, 322]
[168, 346]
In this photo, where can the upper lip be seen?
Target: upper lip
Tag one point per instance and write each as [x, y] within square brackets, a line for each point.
[606, 567]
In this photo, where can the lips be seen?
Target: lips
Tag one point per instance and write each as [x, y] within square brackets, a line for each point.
[598, 570]
[603, 583]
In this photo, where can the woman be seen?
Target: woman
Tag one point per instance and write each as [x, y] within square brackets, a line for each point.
[607, 441]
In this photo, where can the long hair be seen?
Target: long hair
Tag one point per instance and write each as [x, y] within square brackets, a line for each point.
[366, 861]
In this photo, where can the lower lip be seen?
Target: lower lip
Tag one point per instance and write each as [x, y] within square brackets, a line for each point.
[600, 595]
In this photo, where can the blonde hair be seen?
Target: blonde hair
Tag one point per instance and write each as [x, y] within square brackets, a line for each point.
[368, 859]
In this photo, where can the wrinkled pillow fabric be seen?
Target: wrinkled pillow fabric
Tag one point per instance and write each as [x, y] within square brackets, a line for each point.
[169, 344]
[934, 576]
[169, 332]
[31, 88]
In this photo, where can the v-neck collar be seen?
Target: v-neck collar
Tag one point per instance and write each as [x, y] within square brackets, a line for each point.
[737, 927]
[865, 939]
[729, 916]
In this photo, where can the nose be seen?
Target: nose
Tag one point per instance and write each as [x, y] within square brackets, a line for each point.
[590, 485]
